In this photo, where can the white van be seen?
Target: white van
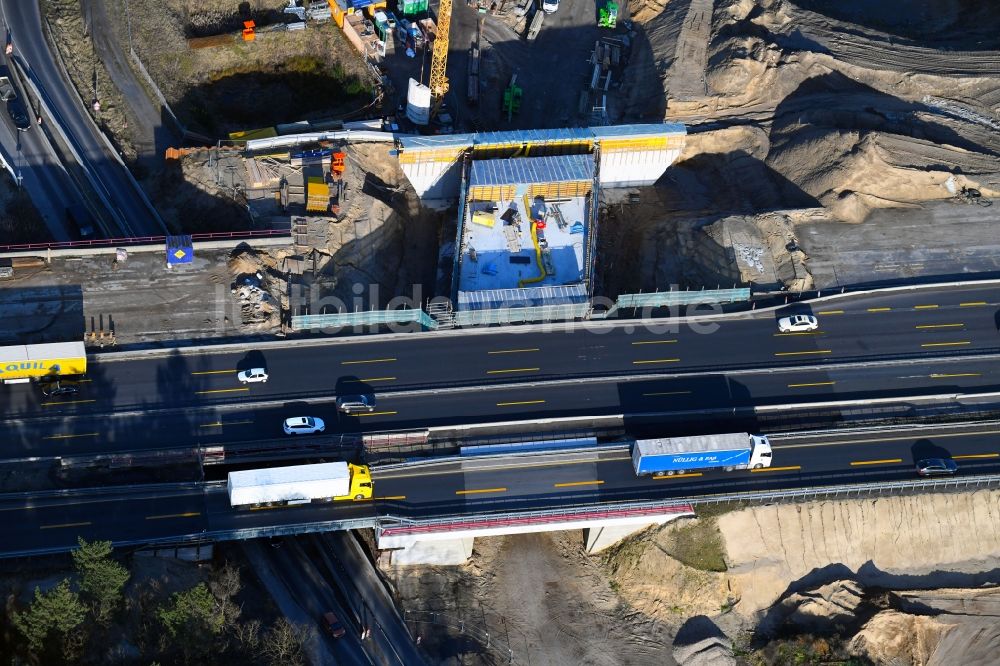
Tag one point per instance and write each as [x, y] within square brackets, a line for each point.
[550, 6]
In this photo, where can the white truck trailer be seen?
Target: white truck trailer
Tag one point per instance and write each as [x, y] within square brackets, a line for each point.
[299, 484]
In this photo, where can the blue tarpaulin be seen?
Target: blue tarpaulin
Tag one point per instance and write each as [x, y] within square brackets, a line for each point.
[180, 250]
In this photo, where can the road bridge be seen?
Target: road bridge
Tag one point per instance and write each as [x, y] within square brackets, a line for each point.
[452, 492]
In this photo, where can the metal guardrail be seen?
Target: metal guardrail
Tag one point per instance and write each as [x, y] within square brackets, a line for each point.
[144, 240]
[516, 315]
[500, 651]
[341, 320]
[659, 299]
[846, 491]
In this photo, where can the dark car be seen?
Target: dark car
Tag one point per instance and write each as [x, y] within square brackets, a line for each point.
[19, 114]
[57, 388]
[355, 404]
[936, 467]
[332, 625]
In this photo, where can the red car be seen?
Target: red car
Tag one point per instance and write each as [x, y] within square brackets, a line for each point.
[332, 625]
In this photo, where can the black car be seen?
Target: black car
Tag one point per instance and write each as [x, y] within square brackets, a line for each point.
[936, 467]
[57, 388]
[19, 114]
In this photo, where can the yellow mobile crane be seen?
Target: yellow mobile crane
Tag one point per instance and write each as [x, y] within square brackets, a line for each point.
[439, 58]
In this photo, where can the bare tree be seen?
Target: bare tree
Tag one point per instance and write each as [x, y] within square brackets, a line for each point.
[282, 645]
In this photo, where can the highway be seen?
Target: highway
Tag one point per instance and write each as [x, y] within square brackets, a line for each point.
[132, 213]
[52, 521]
[931, 324]
[43, 177]
[704, 399]
[879, 347]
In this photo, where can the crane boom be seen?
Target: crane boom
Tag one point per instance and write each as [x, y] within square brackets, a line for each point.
[439, 57]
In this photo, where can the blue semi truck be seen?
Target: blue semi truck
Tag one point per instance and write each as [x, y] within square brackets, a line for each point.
[667, 456]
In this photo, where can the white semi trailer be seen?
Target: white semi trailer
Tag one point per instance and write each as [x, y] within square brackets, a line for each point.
[299, 484]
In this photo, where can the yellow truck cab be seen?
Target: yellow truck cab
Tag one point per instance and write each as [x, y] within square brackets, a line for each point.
[361, 483]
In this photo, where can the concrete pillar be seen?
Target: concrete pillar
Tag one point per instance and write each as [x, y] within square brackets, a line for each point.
[599, 538]
[445, 552]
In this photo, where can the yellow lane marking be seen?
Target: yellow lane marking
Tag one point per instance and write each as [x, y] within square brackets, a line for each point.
[378, 379]
[778, 469]
[83, 434]
[232, 390]
[514, 351]
[818, 351]
[54, 527]
[481, 490]
[887, 461]
[879, 309]
[68, 402]
[654, 342]
[375, 414]
[939, 326]
[497, 372]
[924, 307]
[520, 402]
[785, 335]
[677, 476]
[977, 455]
[831, 312]
[650, 395]
[972, 304]
[212, 372]
[956, 374]
[946, 344]
[657, 360]
[189, 514]
[889, 439]
[392, 497]
[811, 384]
[373, 360]
[219, 424]
[81, 381]
[577, 483]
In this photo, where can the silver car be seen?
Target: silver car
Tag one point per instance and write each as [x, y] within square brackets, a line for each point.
[252, 376]
[303, 425]
[797, 324]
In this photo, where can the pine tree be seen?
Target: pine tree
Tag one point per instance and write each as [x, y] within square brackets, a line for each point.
[57, 611]
[101, 578]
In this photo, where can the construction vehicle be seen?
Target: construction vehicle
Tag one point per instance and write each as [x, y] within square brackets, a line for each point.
[970, 195]
[439, 58]
[337, 168]
[512, 98]
[608, 16]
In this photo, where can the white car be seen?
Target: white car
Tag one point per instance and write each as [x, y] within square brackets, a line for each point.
[303, 425]
[797, 324]
[252, 376]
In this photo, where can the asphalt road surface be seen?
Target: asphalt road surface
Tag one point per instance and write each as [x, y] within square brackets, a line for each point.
[931, 325]
[52, 521]
[133, 214]
[43, 177]
[716, 396]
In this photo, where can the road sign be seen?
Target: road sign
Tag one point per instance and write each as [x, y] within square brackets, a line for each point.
[180, 250]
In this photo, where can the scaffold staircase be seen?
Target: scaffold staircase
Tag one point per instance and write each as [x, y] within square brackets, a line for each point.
[442, 313]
